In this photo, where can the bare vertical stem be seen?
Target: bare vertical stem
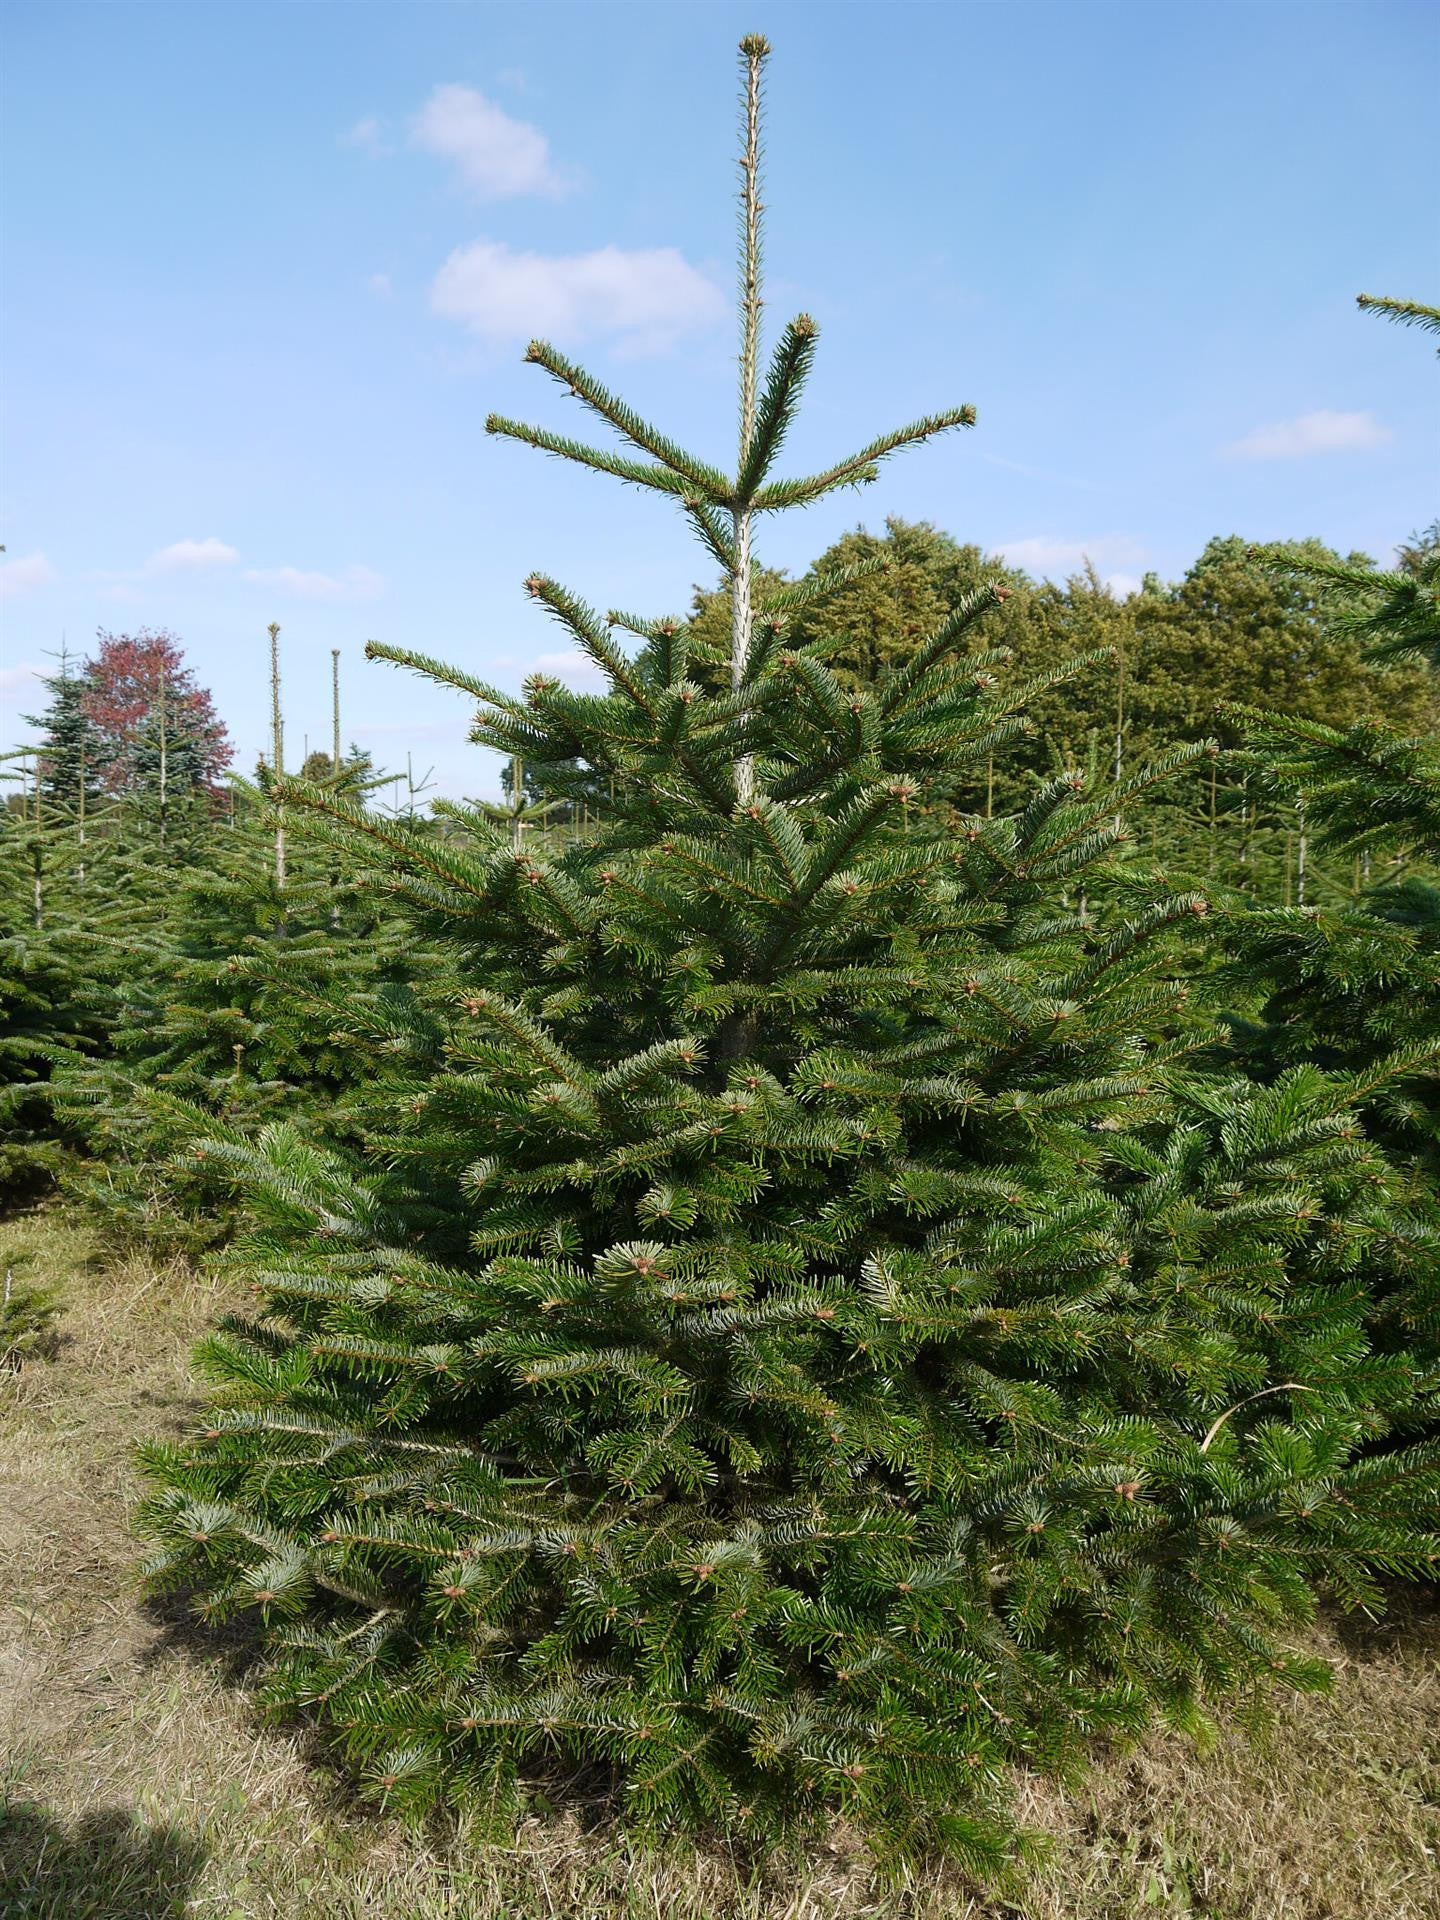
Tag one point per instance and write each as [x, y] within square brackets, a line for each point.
[164, 757]
[754, 48]
[1213, 778]
[335, 761]
[277, 749]
[81, 868]
[1301, 853]
[1119, 720]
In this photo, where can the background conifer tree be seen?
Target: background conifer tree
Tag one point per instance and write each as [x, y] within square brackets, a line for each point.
[70, 753]
[1351, 982]
[821, 1336]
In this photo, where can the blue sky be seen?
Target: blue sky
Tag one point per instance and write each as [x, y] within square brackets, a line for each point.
[271, 262]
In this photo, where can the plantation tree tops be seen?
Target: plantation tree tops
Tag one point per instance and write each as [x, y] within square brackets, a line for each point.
[819, 1337]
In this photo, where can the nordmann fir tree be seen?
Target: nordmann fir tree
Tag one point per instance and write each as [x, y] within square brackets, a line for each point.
[1357, 981]
[820, 1339]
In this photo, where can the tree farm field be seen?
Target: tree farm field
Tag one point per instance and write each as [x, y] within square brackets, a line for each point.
[802, 1280]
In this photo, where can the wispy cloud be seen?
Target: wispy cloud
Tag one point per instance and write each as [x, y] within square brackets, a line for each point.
[574, 669]
[1056, 558]
[19, 679]
[498, 158]
[24, 573]
[356, 583]
[1312, 433]
[188, 556]
[368, 134]
[644, 300]
[381, 285]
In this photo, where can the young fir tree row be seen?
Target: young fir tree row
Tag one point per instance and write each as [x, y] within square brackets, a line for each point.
[832, 1325]
[162, 971]
[126, 804]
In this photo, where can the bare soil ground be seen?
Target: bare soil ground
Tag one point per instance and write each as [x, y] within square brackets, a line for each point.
[136, 1783]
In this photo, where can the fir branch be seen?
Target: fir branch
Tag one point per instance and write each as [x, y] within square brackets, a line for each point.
[625, 420]
[901, 688]
[861, 466]
[658, 478]
[798, 594]
[1407, 313]
[789, 368]
[711, 529]
[446, 676]
[590, 634]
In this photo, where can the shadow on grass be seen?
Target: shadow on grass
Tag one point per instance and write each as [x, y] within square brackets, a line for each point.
[234, 1650]
[108, 1864]
[1410, 1622]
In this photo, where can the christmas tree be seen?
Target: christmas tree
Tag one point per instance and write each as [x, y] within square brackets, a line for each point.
[71, 751]
[822, 1336]
[47, 1010]
[1353, 982]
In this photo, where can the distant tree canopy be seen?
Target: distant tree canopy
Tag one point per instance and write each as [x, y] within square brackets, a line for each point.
[1174, 657]
[1233, 631]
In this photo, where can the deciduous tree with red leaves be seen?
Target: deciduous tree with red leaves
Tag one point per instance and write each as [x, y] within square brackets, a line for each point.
[146, 707]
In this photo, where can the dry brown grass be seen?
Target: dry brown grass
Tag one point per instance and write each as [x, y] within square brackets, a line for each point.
[140, 1786]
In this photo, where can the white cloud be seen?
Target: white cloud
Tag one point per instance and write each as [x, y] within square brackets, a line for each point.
[18, 679]
[381, 285]
[1058, 558]
[185, 556]
[25, 572]
[1322, 432]
[1122, 585]
[365, 133]
[573, 668]
[645, 298]
[356, 583]
[498, 158]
